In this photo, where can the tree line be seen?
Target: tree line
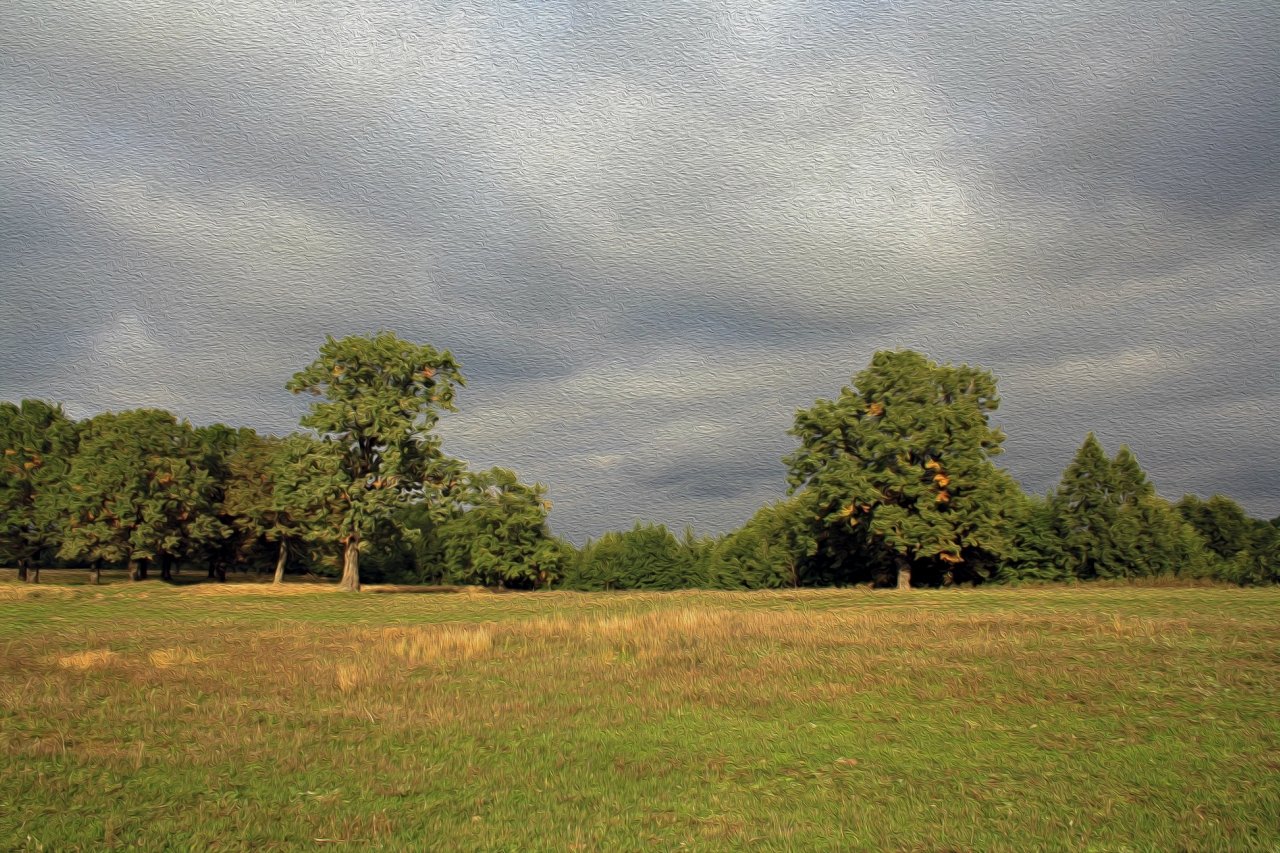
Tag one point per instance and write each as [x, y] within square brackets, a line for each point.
[893, 483]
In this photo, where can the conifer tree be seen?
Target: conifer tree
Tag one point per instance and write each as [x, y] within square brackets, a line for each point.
[1085, 505]
[648, 556]
[1130, 481]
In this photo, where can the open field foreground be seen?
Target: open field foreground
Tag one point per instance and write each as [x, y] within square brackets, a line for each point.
[235, 717]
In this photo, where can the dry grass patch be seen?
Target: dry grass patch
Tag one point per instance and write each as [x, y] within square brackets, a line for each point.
[89, 659]
[166, 658]
[424, 645]
[22, 592]
[203, 590]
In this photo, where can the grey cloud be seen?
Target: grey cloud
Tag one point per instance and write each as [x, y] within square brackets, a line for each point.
[652, 233]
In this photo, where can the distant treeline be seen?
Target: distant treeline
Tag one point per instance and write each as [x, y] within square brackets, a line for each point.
[893, 483]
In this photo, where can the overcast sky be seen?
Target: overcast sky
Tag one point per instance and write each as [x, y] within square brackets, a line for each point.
[652, 231]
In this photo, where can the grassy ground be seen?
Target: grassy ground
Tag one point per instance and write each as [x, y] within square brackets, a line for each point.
[235, 717]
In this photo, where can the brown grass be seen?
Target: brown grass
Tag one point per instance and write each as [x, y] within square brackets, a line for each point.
[89, 659]
[647, 707]
[167, 658]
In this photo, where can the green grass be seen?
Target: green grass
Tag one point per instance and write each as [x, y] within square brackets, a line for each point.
[235, 717]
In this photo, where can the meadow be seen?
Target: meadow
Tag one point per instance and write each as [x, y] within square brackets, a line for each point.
[238, 716]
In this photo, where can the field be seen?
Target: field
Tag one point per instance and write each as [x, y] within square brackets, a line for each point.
[237, 717]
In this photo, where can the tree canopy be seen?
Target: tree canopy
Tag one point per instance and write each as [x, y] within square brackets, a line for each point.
[380, 398]
[901, 464]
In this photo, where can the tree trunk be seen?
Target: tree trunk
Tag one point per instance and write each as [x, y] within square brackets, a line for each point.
[904, 572]
[34, 574]
[135, 572]
[281, 561]
[166, 569]
[95, 573]
[22, 570]
[144, 569]
[351, 565]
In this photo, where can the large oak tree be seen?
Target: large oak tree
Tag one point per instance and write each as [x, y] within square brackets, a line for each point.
[900, 465]
[380, 397]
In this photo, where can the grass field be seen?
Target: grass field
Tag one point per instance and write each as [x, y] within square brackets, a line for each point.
[237, 717]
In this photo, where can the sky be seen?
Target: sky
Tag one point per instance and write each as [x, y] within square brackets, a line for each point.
[652, 231]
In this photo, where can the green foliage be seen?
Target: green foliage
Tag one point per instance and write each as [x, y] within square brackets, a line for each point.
[1113, 525]
[37, 442]
[648, 556]
[769, 551]
[307, 488]
[500, 537]
[1227, 529]
[1150, 539]
[1248, 549]
[1085, 506]
[381, 397]
[265, 500]
[900, 467]
[217, 446]
[1036, 552]
[138, 489]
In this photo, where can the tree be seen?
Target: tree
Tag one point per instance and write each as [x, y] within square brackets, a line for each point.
[217, 445]
[904, 459]
[137, 492]
[382, 397]
[257, 502]
[1036, 552]
[37, 441]
[1085, 505]
[769, 551]
[501, 537]
[1247, 549]
[1128, 479]
[648, 556]
[1227, 529]
[308, 493]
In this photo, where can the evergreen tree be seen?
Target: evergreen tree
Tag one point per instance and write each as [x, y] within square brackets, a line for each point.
[1085, 506]
[1247, 549]
[648, 556]
[1036, 552]
[1129, 479]
[1151, 539]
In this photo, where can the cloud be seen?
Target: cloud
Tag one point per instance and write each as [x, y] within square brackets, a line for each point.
[652, 232]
